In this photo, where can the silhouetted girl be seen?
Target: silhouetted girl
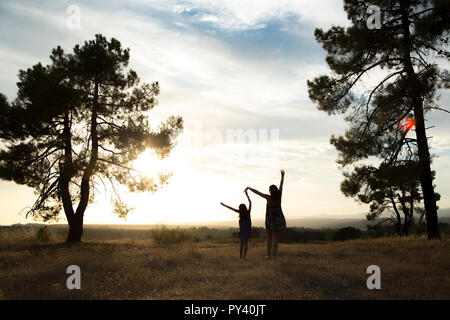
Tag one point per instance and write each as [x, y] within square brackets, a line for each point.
[245, 225]
[275, 221]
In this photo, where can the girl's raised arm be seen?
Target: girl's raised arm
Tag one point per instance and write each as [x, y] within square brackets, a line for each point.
[249, 201]
[265, 196]
[281, 182]
[235, 210]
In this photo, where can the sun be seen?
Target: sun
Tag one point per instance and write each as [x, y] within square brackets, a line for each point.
[149, 164]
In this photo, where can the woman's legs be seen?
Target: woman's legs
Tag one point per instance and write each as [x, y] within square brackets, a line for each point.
[241, 248]
[269, 242]
[245, 248]
[275, 243]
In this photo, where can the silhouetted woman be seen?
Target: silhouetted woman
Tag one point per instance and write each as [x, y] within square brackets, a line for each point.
[275, 221]
[245, 225]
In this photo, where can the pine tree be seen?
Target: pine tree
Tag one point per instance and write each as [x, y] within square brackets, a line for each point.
[406, 49]
[78, 123]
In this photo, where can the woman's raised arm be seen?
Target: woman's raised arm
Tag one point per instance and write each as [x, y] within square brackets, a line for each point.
[249, 201]
[265, 196]
[281, 182]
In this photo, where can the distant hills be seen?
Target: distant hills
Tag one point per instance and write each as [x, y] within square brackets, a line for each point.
[313, 223]
[325, 222]
[358, 221]
[444, 213]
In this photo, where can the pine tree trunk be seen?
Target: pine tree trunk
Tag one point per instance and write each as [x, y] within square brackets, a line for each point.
[406, 226]
[76, 220]
[398, 221]
[405, 211]
[75, 229]
[426, 179]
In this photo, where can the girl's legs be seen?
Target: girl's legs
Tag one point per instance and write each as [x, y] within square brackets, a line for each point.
[245, 248]
[275, 244]
[269, 242]
[240, 250]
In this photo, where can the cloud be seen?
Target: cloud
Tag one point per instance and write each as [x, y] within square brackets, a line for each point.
[236, 15]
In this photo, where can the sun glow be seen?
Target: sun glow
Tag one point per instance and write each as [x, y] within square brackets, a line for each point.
[191, 195]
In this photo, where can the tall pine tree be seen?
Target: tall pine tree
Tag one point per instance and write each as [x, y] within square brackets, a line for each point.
[406, 49]
[77, 123]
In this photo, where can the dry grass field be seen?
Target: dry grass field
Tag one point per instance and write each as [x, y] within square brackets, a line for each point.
[141, 269]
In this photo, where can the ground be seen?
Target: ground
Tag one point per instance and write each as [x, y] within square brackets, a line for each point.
[130, 269]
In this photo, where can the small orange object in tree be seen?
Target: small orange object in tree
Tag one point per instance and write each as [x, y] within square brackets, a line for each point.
[407, 123]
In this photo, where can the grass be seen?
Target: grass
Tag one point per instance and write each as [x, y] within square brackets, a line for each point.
[144, 269]
[165, 235]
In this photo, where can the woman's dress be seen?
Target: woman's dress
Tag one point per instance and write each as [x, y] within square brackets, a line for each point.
[245, 228]
[275, 220]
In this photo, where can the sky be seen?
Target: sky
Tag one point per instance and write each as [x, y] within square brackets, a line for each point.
[227, 67]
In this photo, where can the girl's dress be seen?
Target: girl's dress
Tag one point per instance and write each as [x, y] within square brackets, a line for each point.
[245, 228]
[275, 220]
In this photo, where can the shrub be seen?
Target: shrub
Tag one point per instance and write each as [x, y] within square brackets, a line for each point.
[43, 234]
[444, 228]
[418, 229]
[16, 233]
[291, 235]
[256, 232]
[380, 230]
[347, 234]
[164, 235]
